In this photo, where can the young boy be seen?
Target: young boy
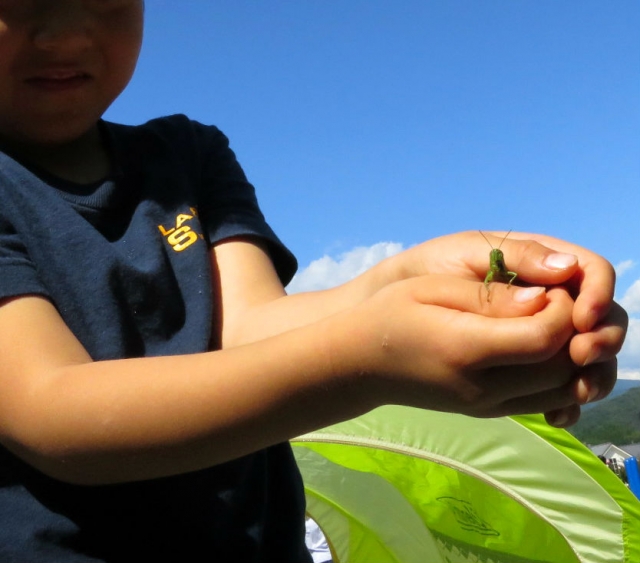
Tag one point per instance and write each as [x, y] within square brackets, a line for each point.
[153, 367]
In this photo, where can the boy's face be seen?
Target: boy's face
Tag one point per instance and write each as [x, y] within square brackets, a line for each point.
[62, 63]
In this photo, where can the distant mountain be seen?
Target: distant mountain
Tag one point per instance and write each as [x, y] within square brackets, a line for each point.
[622, 386]
[615, 419]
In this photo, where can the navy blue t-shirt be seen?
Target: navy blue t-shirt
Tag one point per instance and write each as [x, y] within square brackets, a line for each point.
[126, 264]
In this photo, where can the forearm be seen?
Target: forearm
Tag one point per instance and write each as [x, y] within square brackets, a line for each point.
[133, 419]
[123, 420]
[264, 309]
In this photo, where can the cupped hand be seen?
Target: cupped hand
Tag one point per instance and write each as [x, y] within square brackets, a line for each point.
[600, 324]
[436, 342]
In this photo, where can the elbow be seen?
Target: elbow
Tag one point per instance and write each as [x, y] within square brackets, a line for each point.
[82, 469]
[48, 447]
[53, 464]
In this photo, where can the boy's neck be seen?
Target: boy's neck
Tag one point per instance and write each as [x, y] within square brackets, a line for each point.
[84, 160]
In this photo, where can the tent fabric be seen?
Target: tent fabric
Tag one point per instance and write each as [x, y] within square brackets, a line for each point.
[403, 485]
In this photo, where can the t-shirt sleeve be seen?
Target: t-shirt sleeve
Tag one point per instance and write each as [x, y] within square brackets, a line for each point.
[18, 274]
[228, 205]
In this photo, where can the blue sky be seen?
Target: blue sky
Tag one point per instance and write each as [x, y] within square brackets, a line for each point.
[371, 125]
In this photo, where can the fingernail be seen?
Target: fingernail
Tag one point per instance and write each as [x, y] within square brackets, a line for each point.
[524, 294]
[592, 357]
[591, 391]
[558, 261]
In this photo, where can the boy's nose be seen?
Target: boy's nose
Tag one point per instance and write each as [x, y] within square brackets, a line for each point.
[64, 25]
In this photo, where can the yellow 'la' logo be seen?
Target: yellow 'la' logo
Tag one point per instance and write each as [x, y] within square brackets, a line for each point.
[181, 236]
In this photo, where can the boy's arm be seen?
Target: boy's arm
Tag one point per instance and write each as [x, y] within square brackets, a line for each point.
[254, 305]
[111, 421]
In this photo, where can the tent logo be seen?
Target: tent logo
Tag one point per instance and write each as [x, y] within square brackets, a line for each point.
[467, 517]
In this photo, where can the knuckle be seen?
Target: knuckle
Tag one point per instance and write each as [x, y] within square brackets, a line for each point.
[530, 248]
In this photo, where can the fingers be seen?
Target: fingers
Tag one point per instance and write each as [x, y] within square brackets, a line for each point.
[592, 383]
[530, 380]
[604, 341]
[543, 260]
[537, 259]
[593, 282]
[595, 381]
[511, 350]
[506, 325]
[534, 262]
[567, 387]
[505, 356]
[595, 352]
[564, 417]
[556, 403]
[498, 300]
[522, 340]
[600, 322]
[523, 389]
[468, 255]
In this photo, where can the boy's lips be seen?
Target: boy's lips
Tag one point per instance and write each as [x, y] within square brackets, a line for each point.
[58, 79]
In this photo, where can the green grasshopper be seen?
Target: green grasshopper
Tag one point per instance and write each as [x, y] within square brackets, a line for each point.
[497, 269]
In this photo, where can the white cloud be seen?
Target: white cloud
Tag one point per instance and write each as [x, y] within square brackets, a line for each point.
[629, 356]
[629, 374]
[631, 299]
[328, 272]
[624, 266]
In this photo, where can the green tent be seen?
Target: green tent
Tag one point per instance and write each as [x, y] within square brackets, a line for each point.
[402, 485]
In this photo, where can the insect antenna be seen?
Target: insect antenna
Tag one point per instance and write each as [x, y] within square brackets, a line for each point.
[485, 238]
[491, 245]
[505, 238]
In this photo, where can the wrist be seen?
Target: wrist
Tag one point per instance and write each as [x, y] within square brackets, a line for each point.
[386, 272]
[347, 343]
